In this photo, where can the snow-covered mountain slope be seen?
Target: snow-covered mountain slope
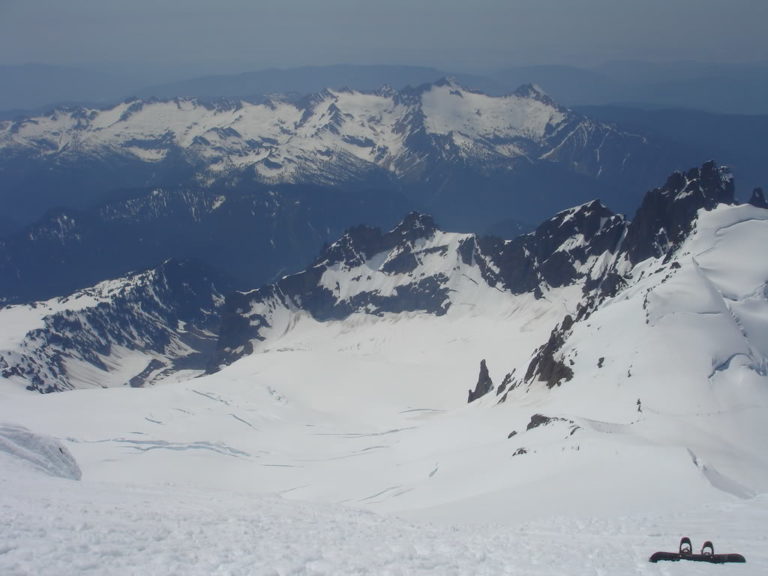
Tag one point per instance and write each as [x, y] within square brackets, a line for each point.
[416, 268]
[575, 260]
[19, 445]
[132, 330]
[639, 420]
[324, 137]
[660, 350]
[663, 222]
[371, 411]
[680, 353]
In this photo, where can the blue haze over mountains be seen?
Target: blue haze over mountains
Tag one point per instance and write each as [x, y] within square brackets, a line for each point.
[715, 87]
[686, 111]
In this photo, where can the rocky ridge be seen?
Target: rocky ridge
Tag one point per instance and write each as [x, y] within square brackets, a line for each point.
[177, 316]
[129, 331]
[414, 267]
[662, 222]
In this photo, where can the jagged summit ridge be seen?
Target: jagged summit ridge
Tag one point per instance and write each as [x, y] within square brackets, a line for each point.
[417, 268]
[566, 248]
[665, 216]
[362, 242]
[663, 225]
[534, 91]
[324, 137]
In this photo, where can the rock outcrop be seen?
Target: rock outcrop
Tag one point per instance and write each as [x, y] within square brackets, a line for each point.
[484, 384]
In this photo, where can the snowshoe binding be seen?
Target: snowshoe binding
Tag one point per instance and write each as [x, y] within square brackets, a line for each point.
[685, 552]
[686, 548]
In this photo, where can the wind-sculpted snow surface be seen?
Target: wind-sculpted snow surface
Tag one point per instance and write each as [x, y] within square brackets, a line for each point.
[17, 444]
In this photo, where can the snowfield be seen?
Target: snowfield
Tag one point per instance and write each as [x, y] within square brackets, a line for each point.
[54, 526]
[348, 447]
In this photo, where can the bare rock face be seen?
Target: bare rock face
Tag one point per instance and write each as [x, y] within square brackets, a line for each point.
[662, 222]
[545, 365]
[556, 252]
[758, 198]
[484, 384]
[666, 214]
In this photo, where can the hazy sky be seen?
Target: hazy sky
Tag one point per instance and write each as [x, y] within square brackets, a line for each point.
[456, 34]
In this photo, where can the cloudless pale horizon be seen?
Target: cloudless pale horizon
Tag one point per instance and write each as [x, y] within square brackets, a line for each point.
[237, 35]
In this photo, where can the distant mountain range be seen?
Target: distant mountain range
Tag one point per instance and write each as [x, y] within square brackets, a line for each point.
[144, 327]
[681, 136]
[148, 180]
[327, 138]
[124, 188]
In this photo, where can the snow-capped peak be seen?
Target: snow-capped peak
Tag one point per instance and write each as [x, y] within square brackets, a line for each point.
[329, 136]
[535, 92]
[417, 268]
[416, 225]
